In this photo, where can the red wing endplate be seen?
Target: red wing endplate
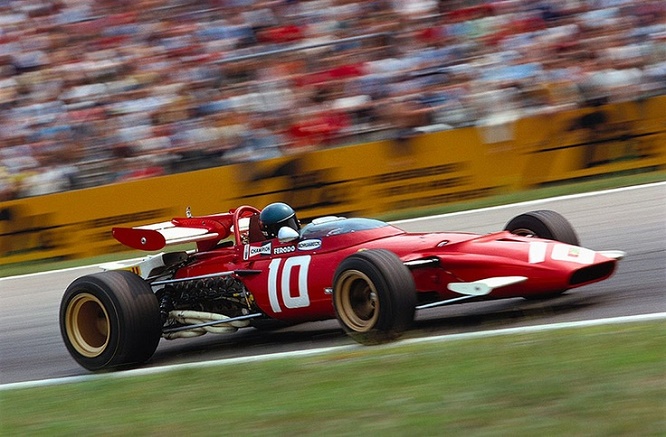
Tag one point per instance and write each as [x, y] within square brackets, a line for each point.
[142, 239]
[157, 236]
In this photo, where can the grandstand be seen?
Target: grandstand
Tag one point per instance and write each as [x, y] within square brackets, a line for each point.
[98, 91]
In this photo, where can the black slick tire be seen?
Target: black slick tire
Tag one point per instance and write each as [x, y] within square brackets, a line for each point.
[374, 296]
[543, 224]
[109, 320]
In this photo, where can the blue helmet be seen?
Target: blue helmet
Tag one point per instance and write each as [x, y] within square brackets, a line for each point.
[275, 216]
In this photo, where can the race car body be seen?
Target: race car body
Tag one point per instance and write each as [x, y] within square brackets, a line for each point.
[370, 275]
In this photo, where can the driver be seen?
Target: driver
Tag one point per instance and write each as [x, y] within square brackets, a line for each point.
[276, 215]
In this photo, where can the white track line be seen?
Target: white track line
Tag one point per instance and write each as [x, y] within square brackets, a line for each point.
[47, 272]
[327, 350]
[536, 202]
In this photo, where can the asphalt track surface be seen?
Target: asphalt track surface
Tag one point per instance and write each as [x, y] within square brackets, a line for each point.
[632, 220]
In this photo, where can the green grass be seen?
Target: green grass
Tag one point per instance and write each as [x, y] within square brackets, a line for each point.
[540, 193]
[594, 381]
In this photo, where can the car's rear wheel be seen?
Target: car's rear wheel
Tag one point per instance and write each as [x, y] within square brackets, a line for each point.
[374, 296]
[110, 319]
[543, 224]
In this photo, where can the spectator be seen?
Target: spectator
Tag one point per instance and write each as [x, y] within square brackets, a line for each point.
[177, 85]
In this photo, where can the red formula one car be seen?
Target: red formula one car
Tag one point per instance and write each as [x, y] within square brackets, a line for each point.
[251, 267]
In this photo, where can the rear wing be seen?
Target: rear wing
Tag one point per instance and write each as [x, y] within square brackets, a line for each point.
[206, 231]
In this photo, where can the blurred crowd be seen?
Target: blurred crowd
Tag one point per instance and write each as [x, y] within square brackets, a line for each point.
[100, 91]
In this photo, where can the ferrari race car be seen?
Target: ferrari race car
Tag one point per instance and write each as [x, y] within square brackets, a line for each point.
[370, 275]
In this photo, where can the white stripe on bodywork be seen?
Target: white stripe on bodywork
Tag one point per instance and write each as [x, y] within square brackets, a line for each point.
[538, 252]
[575, 254]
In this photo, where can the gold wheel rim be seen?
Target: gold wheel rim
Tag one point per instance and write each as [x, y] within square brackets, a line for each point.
[357, 301]
[88, 325]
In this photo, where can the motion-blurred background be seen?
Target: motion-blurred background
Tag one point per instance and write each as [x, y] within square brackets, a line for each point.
[94, 92]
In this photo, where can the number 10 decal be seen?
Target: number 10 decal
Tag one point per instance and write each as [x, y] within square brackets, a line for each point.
[280, 285]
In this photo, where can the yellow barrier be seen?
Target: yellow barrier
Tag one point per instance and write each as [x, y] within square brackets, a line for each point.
[588, 142]
[362, 180]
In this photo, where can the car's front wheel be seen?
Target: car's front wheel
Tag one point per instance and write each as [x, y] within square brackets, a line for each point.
[110, 319]
[543, 224]
[374, 296]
